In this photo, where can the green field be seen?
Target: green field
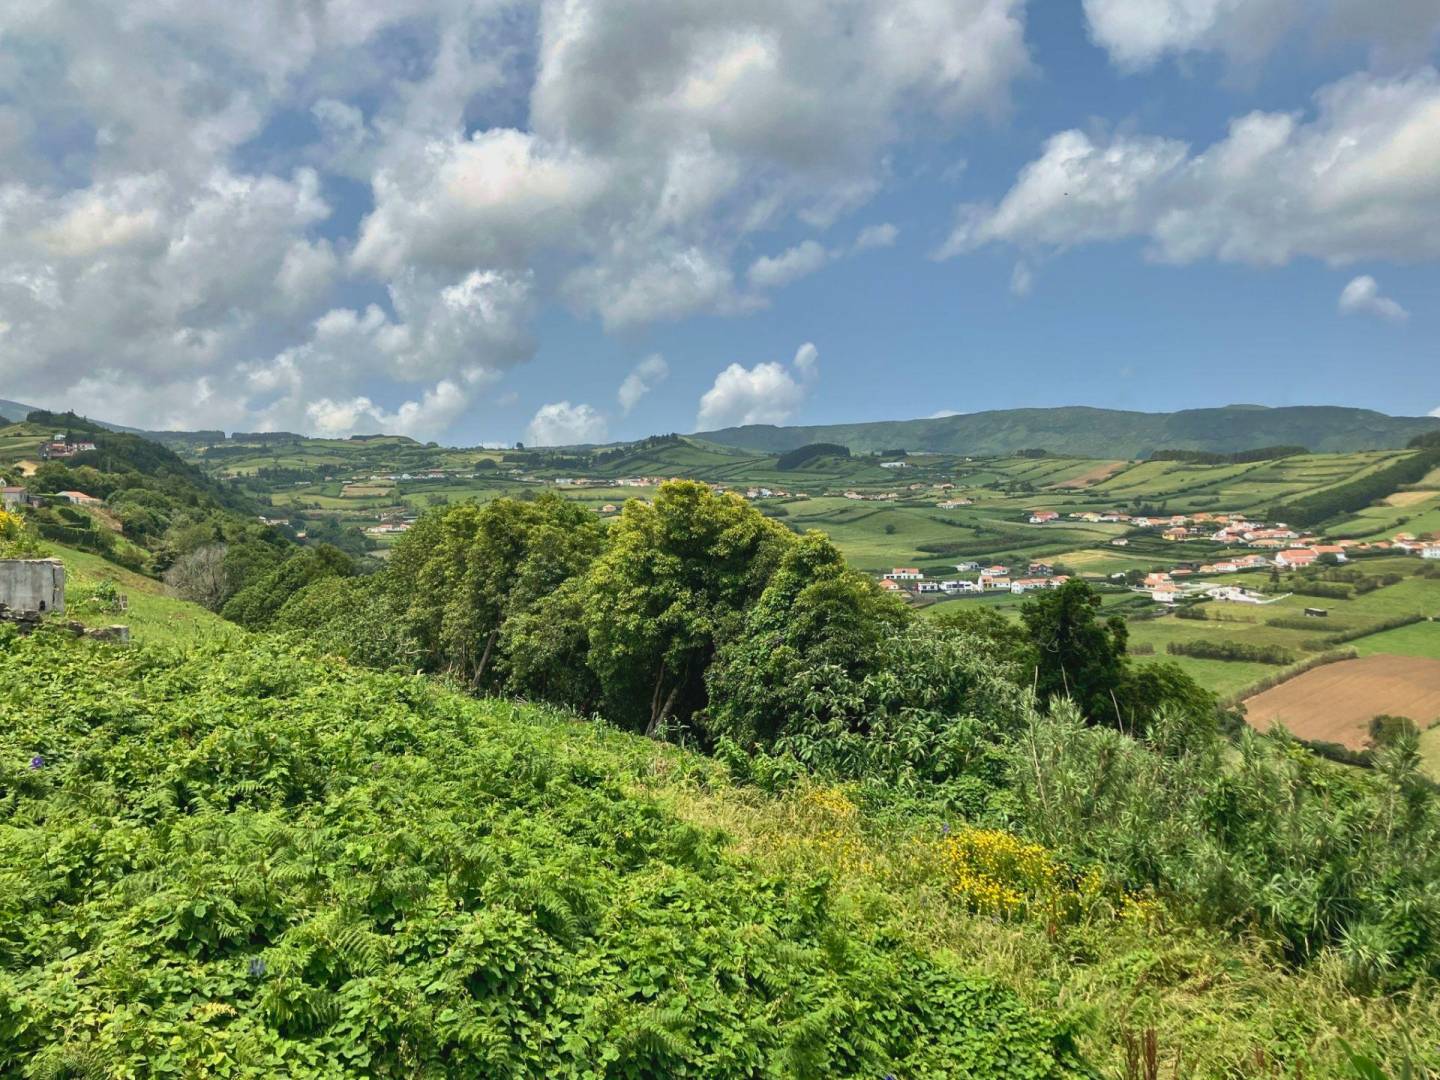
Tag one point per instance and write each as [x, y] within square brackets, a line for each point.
[1417, 639]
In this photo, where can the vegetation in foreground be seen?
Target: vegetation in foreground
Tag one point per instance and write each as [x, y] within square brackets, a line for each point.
[241, 861]
[954, 782]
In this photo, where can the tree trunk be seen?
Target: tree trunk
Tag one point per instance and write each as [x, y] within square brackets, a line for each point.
[485, 657]
[657, 719]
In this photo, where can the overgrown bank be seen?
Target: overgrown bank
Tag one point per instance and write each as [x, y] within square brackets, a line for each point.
[240, 861]
[243, 863]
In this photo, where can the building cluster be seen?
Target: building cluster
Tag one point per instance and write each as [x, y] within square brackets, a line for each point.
[13, 498]
[63, 447]
[909, 579]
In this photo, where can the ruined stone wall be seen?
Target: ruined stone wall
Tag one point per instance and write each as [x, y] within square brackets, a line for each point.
[32, 585]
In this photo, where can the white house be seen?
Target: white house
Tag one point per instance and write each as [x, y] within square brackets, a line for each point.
[1430, 551]
[927, 587]
[955, 585]
[967, 566]
[905, 573]
[1042, 517]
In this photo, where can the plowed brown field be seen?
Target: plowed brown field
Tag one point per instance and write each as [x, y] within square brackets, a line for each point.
[1335, 703]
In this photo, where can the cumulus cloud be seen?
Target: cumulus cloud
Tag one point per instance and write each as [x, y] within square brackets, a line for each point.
[643, 378]
[1362, 296]
[1358, 180]
[613, 155]
[768, 393]
[562, 424]
[1138, 33]
[772, 272]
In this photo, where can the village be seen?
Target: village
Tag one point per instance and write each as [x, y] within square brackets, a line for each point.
[1283, 549]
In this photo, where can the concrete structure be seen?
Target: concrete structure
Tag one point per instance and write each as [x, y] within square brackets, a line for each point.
[13, 497]
[32, 585]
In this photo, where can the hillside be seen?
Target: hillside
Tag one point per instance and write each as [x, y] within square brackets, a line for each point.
[1081, 431]
[545, 907]
[241, 861]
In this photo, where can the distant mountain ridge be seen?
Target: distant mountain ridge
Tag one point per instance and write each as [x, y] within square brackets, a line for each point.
[1084, 431]
[17, 411]
[13, 410]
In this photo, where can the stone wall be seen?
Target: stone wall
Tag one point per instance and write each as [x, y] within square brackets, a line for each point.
[32, 585]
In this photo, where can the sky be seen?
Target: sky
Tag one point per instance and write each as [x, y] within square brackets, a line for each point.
[482, 221]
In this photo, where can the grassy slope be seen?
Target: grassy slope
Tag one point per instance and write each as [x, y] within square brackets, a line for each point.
[634, 871]
[152, 616]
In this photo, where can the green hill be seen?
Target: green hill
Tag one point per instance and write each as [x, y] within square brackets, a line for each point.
[1082, 431]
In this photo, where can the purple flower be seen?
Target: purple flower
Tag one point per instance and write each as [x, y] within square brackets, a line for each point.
[257, 967]
[945, 828]
[38, 761]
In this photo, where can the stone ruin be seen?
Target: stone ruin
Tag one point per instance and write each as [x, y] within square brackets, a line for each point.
[32, 586]
[33, 590]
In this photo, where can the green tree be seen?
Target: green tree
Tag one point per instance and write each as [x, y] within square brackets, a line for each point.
[817, 620]
[256, 605]
[673, 583]
[1077, 655]
[460, 573]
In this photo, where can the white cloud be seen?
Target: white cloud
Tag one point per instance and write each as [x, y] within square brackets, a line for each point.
[1362, 296]
[562, 424]
[941, 414]
[1360, 180]
[876, 236]
[768, 393]
[807, 357]
[1138, 33]
[1022, 279]
[440, 407]
[143, 185]
[773, 272]
[643, 378]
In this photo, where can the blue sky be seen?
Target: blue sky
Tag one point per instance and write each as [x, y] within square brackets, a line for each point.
[480, 221]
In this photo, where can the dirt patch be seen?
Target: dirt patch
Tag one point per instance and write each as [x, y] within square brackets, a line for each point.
[1410, 498]
[1099, 474]
[1335, 703]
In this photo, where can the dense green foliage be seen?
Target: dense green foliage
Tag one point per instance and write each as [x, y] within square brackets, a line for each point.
[698, 615]
[1236, 457]
[802, 455]
[242, 863]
